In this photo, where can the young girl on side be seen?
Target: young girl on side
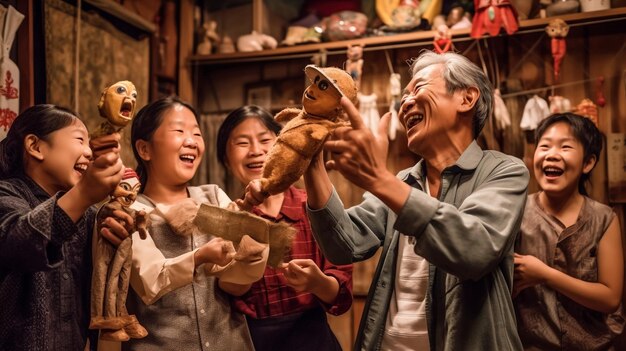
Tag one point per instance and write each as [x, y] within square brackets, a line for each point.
[569, 261]
[48, 184]
[181, 307]
[286, 309]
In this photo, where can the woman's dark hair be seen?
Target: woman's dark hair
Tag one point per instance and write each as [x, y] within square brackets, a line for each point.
[39, 120]
[235, 118]
[148, 119]
[584, 130]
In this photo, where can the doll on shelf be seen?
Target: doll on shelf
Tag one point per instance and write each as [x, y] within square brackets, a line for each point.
[491, 15]
[443, 39]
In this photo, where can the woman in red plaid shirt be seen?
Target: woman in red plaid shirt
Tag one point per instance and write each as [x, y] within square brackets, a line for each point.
[286, 309]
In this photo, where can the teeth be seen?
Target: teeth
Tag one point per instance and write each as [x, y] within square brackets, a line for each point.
[415, 119]
[188, 157]
[81, 167]
[255, 165]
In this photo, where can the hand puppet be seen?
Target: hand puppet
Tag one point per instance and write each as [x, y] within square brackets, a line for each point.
[111, 265]
[306, 129]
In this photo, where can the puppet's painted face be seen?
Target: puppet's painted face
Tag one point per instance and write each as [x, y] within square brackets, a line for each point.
[557, 28]
[118, 103]
[131, 187]
[355, 52]
[321, 98]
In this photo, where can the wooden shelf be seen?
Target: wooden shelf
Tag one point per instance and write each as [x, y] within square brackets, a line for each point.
[420, 38]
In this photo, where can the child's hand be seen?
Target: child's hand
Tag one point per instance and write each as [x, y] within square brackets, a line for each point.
[529, 271]
[217, 251]
[302, 275]
[114, 224]
[101, 177]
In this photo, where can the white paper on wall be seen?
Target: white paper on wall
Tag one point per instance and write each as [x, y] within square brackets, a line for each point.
[10, 20]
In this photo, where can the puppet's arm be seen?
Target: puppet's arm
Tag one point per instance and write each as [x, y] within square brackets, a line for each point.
[287, 115]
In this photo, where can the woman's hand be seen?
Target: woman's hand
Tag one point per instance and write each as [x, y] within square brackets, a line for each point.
[529, 271]
[303, 275]
[217, 251]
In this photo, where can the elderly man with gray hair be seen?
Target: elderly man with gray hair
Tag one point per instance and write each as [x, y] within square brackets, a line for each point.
[447, 225]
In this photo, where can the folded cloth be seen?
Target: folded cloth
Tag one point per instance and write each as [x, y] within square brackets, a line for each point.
[247, 266]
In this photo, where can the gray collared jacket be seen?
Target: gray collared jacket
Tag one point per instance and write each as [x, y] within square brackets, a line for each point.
[467, 236]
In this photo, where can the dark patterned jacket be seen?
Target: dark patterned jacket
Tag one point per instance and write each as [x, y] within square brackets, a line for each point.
[45, 270]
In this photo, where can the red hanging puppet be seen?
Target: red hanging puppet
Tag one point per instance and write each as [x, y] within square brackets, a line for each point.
[443, 39]
[491, 15]
[557, 29]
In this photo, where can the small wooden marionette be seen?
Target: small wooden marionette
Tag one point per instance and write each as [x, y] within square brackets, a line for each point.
[491, 15]
[307, 129]
[111, 265]
[557, 29]
[443, 39]
[354, 65]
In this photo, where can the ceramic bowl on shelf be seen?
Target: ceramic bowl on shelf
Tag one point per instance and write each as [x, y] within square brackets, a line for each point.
[562, 7]
[594, 5]
[344, 25]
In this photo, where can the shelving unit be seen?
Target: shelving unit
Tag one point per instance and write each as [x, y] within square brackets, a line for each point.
[411, 39]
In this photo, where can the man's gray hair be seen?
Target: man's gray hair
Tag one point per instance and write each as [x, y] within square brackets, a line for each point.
[460, 73]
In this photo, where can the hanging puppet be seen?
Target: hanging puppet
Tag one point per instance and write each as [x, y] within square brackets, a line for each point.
[395, 93]
[557, 29]
[491, 15]
[111, 265]
[354, 65]
[588, 109]
[306, 130]
[443, 39]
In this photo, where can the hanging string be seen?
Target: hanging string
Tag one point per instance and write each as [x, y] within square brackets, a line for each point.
[77, 55]
[389, 62]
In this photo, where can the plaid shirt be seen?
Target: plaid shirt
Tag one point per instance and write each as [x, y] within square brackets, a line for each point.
[45, 270]
[270, 296]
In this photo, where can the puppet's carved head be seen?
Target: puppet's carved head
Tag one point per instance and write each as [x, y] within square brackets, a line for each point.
[355, 52]
[127, 189]
[117, 103]
[557, 28]
[328, 85]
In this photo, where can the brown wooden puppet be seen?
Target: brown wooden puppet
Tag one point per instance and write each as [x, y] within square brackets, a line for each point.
[111, 265]
[306, 130]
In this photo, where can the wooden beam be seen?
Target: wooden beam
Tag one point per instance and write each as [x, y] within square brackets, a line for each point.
[185, 46]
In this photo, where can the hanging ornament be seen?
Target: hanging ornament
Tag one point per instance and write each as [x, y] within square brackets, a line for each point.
[354, 64]
[500, 112]
[535, 111]
[10, 20]
[587, 108]
[557, 29]
[600, 100]
[369, 111]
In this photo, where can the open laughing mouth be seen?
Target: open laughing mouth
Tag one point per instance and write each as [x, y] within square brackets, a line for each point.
[255, 165]
[189, 159]
[552, 172]
[414, 120]
[80, 167]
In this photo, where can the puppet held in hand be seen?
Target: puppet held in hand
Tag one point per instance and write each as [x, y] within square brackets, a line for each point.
[117, 106]
[111, 265]
[306, 131]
